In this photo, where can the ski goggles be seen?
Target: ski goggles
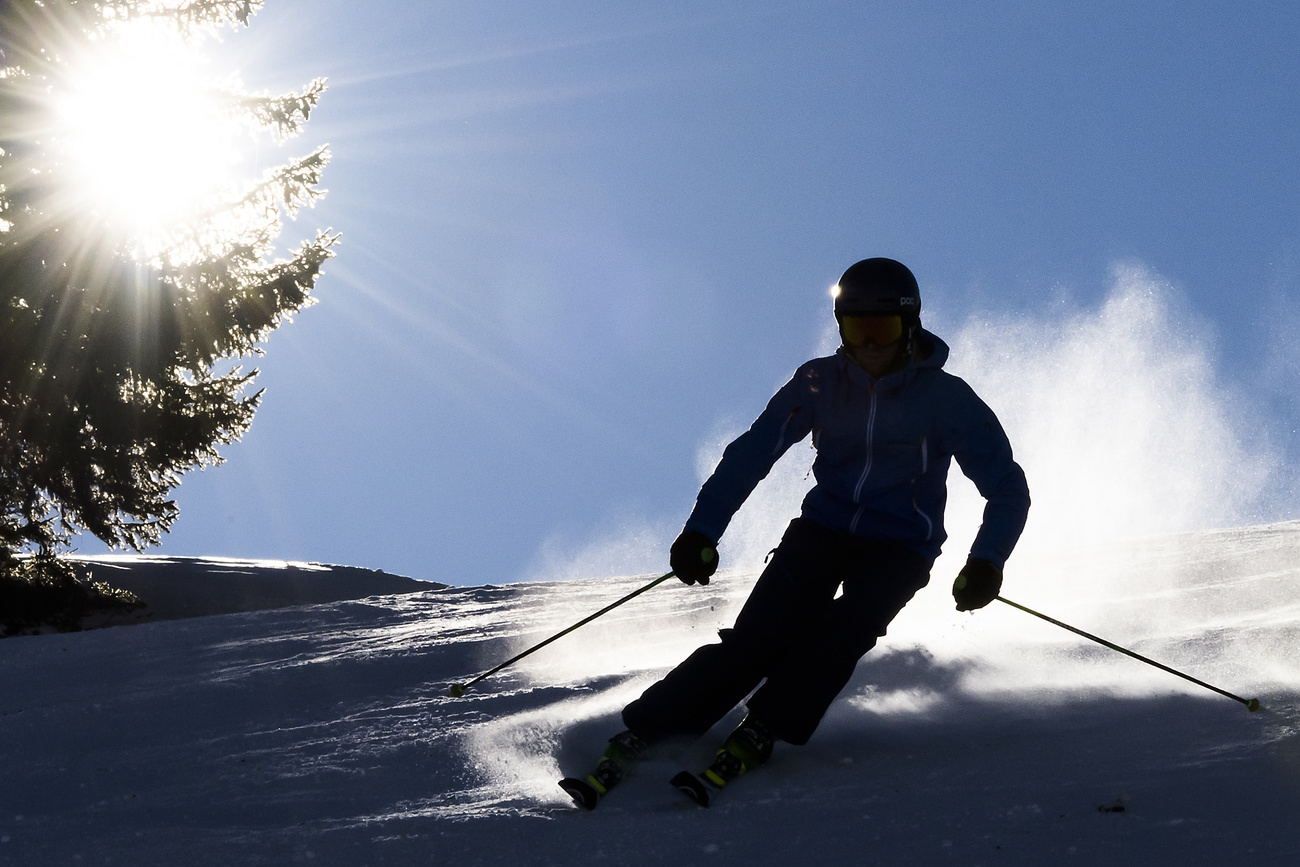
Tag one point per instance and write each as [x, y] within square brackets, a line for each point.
[880, 330]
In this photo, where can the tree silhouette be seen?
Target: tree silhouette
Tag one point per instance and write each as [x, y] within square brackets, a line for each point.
[119, 366]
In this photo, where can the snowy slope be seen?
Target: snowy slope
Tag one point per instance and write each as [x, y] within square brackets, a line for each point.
[322, 734]
[173, 587]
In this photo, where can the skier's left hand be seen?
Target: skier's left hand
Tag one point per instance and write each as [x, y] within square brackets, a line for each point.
[693, 557]
[977, 584]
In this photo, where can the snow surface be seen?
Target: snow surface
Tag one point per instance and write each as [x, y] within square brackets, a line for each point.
[322, 734]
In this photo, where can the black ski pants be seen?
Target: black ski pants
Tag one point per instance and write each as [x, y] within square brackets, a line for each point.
[793, 635]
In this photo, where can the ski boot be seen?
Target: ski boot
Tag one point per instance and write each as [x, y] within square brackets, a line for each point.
[622, 750]
[744, 749]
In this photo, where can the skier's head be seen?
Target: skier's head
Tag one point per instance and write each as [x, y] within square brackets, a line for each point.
[878, 302]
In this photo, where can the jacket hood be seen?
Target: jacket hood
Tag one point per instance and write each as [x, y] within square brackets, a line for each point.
[931, 351]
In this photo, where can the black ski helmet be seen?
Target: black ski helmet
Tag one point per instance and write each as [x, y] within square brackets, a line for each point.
[877, 287]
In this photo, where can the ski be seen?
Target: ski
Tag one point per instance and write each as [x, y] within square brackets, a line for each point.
[583, 793]
[693, 787]
[747, 747]
[622, 750]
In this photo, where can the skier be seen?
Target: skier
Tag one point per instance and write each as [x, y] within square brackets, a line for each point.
[885, 420]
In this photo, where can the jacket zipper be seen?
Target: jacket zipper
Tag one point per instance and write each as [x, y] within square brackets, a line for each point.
[780, 439]
[929, 525]
[866, 470]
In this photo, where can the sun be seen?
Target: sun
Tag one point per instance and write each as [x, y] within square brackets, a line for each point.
[147, 133]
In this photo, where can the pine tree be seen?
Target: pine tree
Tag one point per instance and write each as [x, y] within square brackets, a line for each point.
[120, 365]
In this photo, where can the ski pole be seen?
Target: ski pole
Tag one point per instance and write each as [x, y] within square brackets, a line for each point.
[1252, 704]
[458, 689]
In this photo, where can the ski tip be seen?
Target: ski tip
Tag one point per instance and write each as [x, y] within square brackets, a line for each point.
[692, 786]
[583, 793]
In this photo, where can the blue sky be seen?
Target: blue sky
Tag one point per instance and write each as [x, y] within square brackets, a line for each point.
[582, 240]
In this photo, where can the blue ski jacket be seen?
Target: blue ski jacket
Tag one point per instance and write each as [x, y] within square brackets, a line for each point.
[883, 451]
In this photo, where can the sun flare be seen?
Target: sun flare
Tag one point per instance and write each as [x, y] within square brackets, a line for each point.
[147, 133]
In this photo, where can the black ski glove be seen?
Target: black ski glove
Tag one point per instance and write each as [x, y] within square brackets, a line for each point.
[977, 584]
[693, 557]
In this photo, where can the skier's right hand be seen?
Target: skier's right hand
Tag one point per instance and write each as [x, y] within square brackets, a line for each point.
[977, 584]
[693, 557]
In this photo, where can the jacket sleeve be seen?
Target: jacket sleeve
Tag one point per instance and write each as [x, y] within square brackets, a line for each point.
[787, 419]
[984, 455]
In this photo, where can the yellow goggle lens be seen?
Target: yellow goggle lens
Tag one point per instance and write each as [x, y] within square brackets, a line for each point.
[880, 330]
